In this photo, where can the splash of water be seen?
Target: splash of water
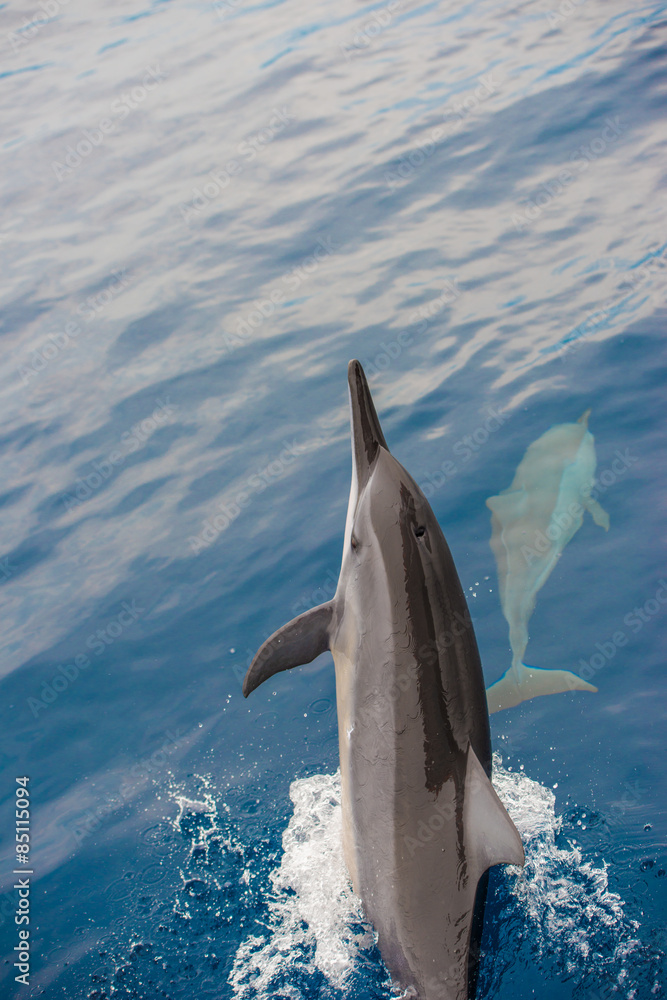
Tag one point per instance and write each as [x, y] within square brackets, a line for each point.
[564, 900]
[559, 905]
[313, 913]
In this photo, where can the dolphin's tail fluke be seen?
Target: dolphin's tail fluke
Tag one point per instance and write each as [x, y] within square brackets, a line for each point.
[300, 641]
[521, 682]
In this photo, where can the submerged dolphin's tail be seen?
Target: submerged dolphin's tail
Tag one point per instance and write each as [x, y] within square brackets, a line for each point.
[521, 682]
[300, 641]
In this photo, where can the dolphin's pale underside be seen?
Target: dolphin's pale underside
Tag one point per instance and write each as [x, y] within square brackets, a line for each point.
[422, 823]
[532, 521]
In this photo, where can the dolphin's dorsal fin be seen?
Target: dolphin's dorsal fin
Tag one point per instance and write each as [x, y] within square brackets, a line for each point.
[491, 836]
[300, 641]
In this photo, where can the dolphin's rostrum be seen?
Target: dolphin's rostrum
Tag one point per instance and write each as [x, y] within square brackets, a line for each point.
[421, 820]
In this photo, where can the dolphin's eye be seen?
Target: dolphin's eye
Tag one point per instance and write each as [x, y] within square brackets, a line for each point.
[354, 542]
[419, 530]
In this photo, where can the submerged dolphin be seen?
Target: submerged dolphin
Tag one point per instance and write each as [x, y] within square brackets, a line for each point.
[532, 521]
[421, 820]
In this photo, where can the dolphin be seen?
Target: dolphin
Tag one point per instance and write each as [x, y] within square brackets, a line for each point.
[532, 521]
[422, 823]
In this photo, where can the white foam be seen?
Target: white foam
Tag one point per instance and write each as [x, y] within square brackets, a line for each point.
[314, 914]
[316, 921]
[566, 901]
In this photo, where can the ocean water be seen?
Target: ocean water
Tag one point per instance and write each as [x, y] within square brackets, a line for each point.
[208, 209]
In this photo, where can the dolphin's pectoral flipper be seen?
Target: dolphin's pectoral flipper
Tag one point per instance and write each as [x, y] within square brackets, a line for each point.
[300, 641]
[599, 515]
[523, 682]
[491, 836]
[508, 506]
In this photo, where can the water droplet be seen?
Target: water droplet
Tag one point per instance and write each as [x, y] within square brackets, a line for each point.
[323, 704]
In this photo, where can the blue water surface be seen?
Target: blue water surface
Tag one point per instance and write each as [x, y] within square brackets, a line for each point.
[209, 208]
